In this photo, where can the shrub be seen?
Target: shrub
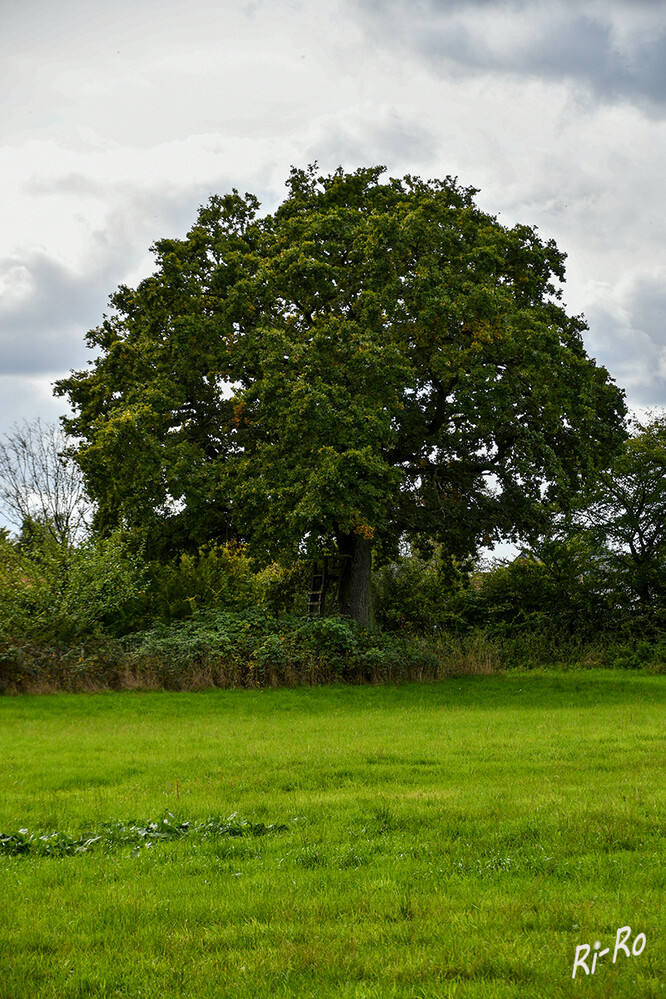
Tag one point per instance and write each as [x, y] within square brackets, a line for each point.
[218, 576]
[332, 636]
[60, 593]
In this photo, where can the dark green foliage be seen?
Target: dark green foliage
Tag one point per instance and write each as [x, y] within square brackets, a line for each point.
[206, 640]
[599, 570]
[251, 648]
[331, 635]
[424, 595]
[624, 517]
[221, 576]
[216, 576]
[550, 595]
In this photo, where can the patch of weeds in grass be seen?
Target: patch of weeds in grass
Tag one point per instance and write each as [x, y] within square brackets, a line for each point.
[115, 835]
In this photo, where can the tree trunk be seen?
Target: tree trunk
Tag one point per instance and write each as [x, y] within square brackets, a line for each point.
[355, 592]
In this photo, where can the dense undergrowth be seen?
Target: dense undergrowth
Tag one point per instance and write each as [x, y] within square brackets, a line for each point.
[97, 616]
[252, 649]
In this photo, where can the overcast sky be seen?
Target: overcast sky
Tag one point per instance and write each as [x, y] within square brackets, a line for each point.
[120, 118]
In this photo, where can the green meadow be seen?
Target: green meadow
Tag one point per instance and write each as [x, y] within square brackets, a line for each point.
[429, 840]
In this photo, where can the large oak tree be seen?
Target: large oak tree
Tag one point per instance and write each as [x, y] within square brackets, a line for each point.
[370, 363]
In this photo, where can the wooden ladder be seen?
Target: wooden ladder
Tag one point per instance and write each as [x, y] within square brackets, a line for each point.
[317, 594]
[323, 572]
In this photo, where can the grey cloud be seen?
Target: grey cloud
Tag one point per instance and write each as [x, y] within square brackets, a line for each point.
[22, 397]
[629, 337]
[446, 5]
[381, 7]
[41, 330]
[651, 294]
[577, 42]
[616, 7]
[46, 308]
[583, 49]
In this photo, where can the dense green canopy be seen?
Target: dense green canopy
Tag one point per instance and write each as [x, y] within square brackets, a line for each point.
[372, 362]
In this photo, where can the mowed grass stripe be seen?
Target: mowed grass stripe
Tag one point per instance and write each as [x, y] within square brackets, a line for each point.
[453, 839]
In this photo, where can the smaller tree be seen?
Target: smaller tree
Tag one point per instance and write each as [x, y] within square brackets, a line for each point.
[557, 588]
[38, 482]
[602, 566]
[626, 513]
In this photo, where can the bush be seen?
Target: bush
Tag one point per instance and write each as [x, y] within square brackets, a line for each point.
[252, 648]
[59, 593]
[560, 592]
[218, 576]
[330, 636]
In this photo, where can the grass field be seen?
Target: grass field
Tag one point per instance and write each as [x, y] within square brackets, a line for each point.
[453, 839]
